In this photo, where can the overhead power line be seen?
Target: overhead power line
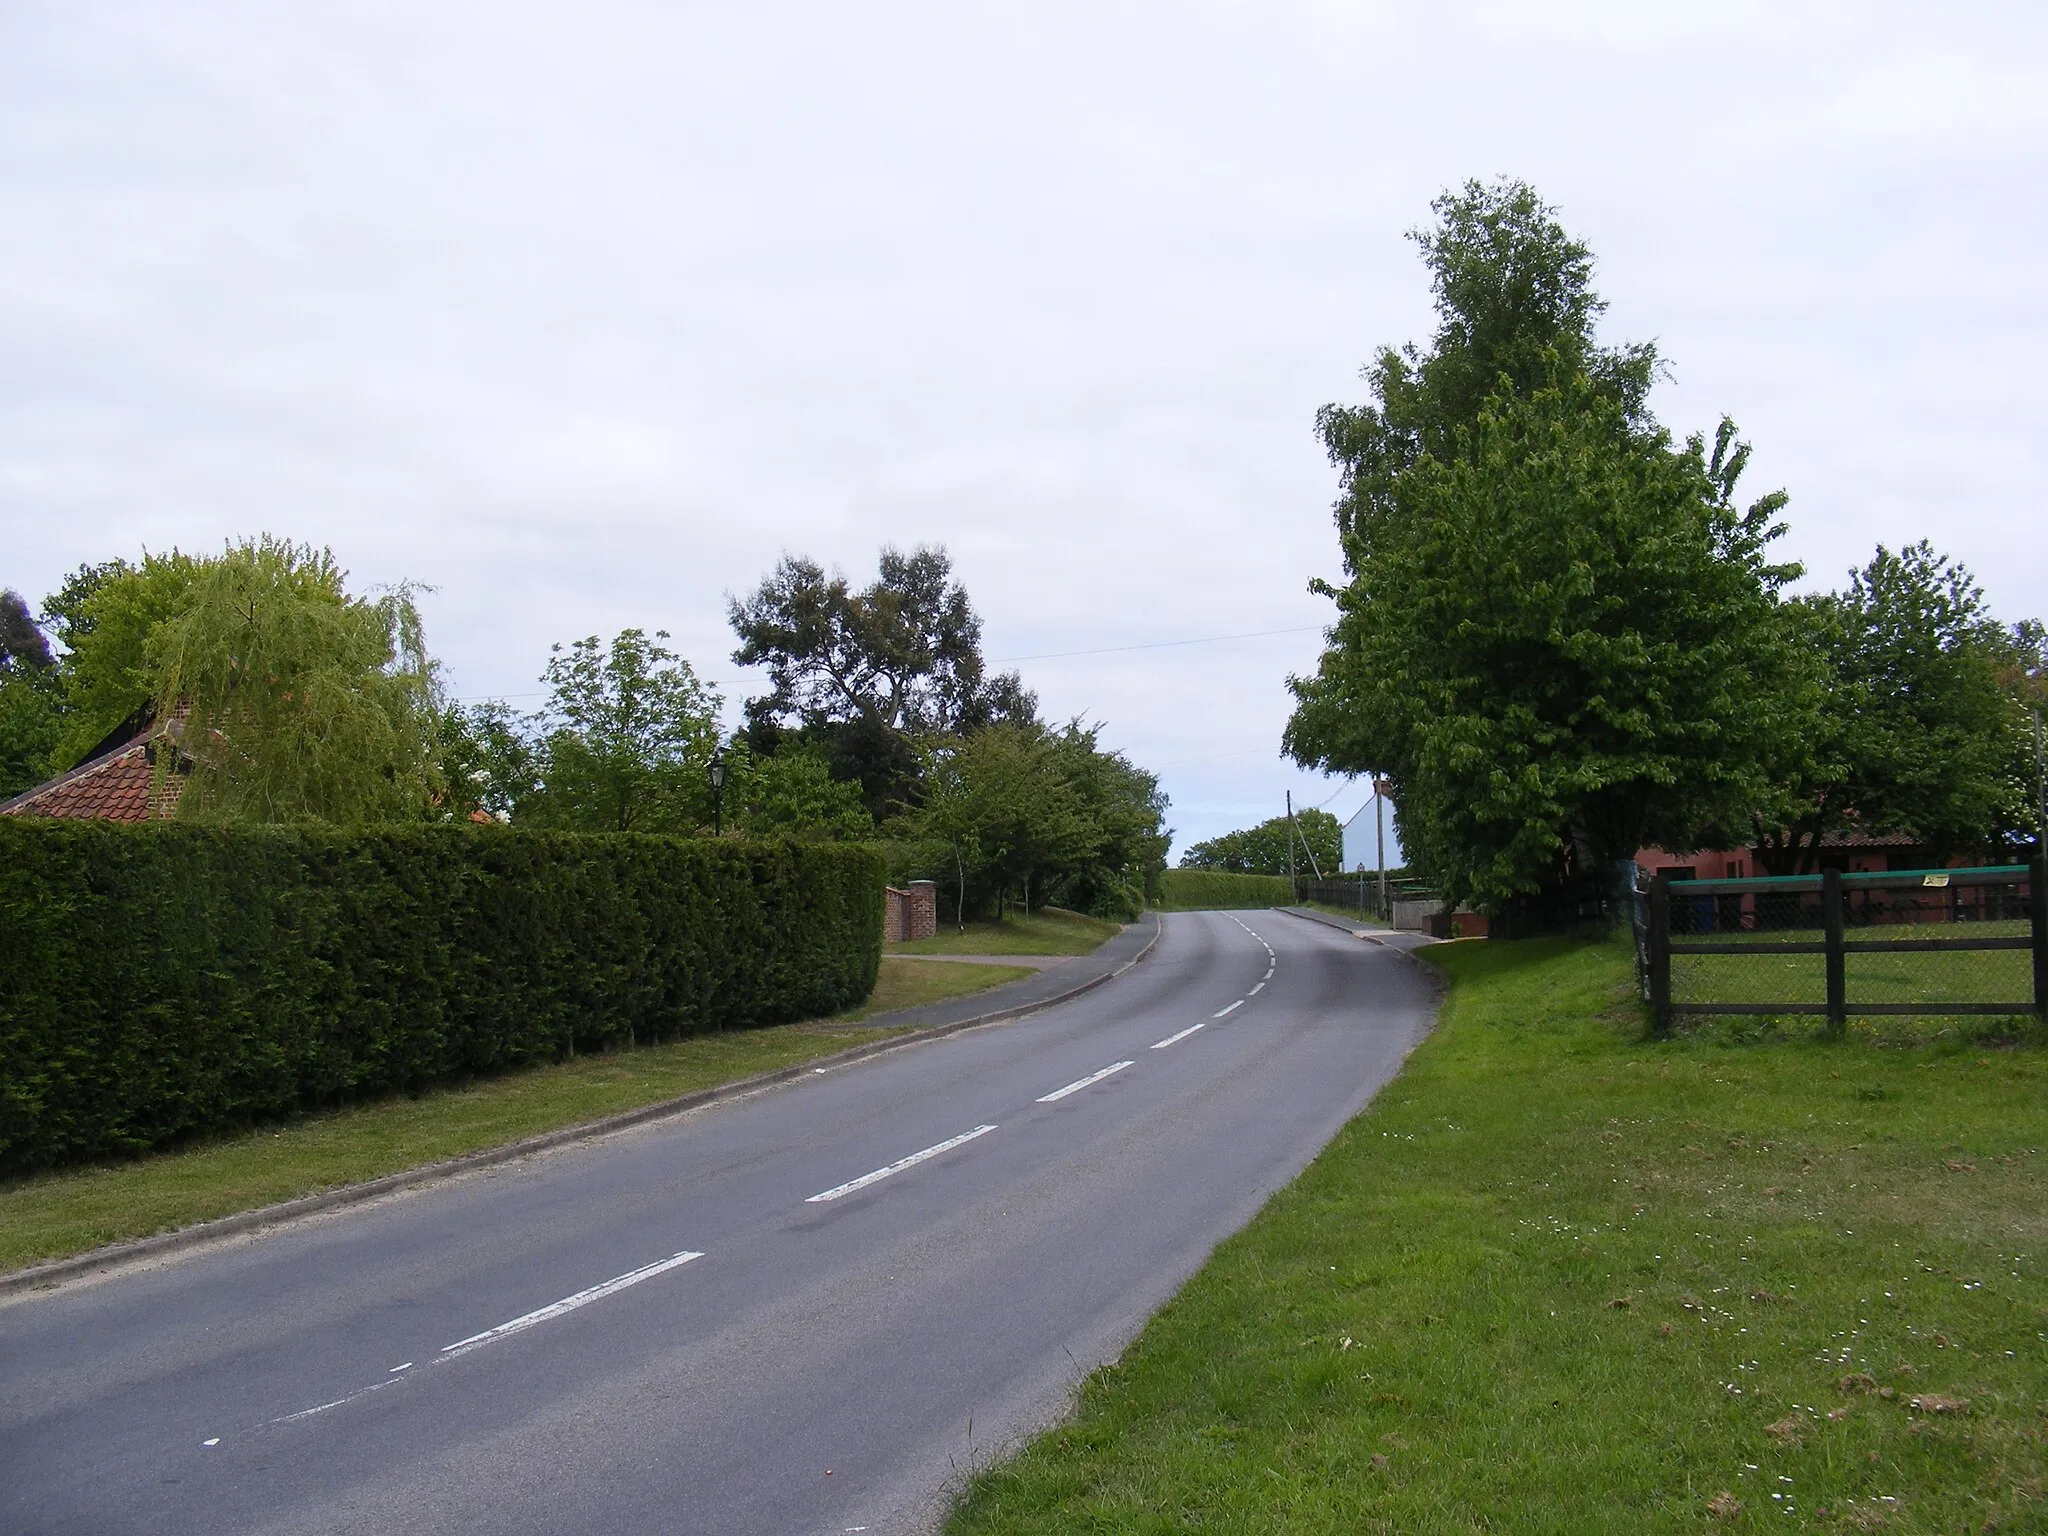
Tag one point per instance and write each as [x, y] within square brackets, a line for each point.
[1158, 645]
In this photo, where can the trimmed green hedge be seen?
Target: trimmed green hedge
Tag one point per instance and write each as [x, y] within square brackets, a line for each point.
[161, 981]
[1200, 890]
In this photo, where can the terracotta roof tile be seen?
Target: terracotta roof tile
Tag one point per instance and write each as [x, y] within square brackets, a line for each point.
[115, 786]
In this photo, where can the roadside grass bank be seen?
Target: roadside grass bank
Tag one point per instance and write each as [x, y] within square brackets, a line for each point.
[1563, 1278]
[56, 1215]
[1048, 931]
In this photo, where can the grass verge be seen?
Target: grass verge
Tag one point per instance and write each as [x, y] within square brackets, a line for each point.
[1559, 1278]
[1045, 932]
[52, 1216]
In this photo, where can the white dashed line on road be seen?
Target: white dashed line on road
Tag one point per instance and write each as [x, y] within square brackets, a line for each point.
[1231, 1009]
[898, 1166]
[1161, 1045]
[569, 1304]
[1079, 1083]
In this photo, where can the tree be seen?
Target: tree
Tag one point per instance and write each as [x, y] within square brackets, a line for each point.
[105, 617]
[1515, 308]
[1561, 636]
[490, 761]
[865, 674]
[1913, 718]
[1126, 810]
[1262, 850]
[30, 721]
[289, 700]
[624, 739]
[23, 650]
[792, 793]
[1018, 812]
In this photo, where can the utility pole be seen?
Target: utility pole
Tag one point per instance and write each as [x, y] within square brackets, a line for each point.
[1290, 841]
[2041, 774]
[1379, 819]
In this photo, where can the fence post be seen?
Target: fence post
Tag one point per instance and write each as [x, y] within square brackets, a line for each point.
[1660, 953]
[1838, 971]
[2037, 879]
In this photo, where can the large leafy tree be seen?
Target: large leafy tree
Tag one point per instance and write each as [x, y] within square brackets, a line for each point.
[1018, 813]
[1263, 850]
[289, 699]
[623, 741]
[864, 674]
[1561, 637]
[1912, 716]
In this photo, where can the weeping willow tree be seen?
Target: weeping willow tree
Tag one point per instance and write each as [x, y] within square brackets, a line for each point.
[288, 700]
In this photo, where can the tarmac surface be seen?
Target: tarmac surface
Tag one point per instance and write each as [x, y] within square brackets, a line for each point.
[813, 1309]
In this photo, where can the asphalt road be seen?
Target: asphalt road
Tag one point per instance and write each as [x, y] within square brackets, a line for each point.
[769, 1315]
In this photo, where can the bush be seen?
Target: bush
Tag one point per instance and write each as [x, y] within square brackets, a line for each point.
[1197, 890]
[161, 981]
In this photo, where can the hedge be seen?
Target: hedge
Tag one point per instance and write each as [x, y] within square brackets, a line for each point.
[161, 981]
[1197, 890]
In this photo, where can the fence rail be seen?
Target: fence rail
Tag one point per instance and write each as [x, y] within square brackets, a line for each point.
[1784, 946]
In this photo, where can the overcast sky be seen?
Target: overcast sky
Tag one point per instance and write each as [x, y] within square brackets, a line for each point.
[584, 314]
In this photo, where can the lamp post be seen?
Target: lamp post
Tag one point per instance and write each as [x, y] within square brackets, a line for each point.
[716, 770]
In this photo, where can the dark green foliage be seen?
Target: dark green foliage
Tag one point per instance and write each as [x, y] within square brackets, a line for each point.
[1021, 813]
[1263, 850]
[1914, 717]
[1205, 890]
[22, 646]
[1561, 638]
[863, 675]
[162, 981]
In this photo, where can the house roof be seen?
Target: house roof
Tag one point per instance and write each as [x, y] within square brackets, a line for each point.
[118, 785]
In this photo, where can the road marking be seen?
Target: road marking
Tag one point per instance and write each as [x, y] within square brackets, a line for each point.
[397, 1368]
[1231, 1009]
[569, 1304]
[214, 1441]
[1255, 991]
[1176, 1039]
[1269, 974]
[898, 1166]
[1079, 1083]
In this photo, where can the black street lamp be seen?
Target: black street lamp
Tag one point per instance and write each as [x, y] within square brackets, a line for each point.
[717, 773]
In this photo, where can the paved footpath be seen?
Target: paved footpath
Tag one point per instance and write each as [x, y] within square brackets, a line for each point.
[810, 1310]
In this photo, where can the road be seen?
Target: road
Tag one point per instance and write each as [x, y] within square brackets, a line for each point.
[806, 1311]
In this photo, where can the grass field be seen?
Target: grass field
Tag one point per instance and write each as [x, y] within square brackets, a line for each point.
[1563, 1279]
[1045, 932]
[52, 1216]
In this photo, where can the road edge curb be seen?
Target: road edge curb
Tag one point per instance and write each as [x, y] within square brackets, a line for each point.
[200, 1234]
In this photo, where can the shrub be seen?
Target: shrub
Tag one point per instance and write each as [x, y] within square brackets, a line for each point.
[1195, 890]
[161, 981]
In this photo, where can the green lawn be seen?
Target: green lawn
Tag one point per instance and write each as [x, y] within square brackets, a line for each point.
[55, 1215]
[1563, 1279]
[1046, 932]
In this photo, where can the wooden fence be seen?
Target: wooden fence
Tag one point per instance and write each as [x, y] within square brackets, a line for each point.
[1979, 944]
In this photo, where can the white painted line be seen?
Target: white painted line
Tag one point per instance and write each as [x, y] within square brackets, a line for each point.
[397, 1368]
[1231, 1009]
[1269, 974]
[1176, 1039]
[214, 1441]
[898, 1166]
[1079, 1083]
[1255, 991]
[569, 1304]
